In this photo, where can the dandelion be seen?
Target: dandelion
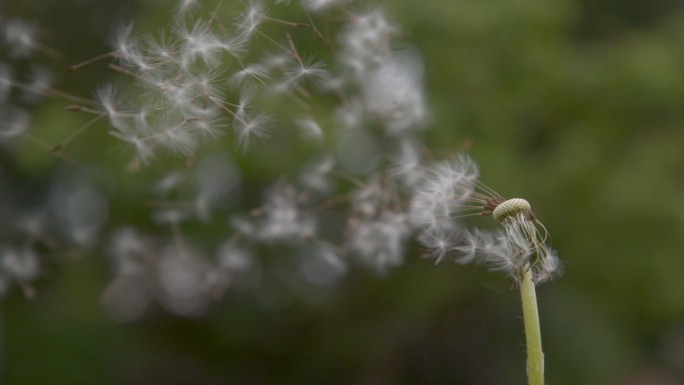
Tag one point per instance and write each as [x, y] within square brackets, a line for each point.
[519, 248]
[525, 238]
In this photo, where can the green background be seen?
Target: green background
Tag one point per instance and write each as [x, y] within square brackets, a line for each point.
[576, 106]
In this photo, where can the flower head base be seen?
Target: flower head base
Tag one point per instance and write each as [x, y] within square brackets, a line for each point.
[511, 207]
[525, 240]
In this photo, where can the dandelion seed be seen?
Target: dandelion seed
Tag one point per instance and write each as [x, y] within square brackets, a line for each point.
[131, 251]
[198, 43]
[174, 136]
[365, 41]
[5, 82]
[306, 71]
[442, 192]
[125, 44]
[161, 49]
[205, 85]
[247, 96]
[379, 243]
[186, 6]
[284, 218]
[253, 72]
[393, 92]
[41, 81]
[322, 5]
[113, 102]
[21, 264]
[440, 241]
[248, 23]
[406, 165]
[143, 150]
[181, 277]
[20, 36]
[310, 129]
[234, 259]
[321, 264]
[209, 126]
[14, 122]
[316, 175]
[248, 128]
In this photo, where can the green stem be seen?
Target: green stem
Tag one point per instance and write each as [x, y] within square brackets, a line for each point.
[535, 356]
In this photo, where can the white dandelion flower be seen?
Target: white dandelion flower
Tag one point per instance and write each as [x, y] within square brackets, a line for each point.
[450, 190]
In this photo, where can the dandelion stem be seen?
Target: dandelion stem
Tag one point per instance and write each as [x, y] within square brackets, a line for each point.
[535, 356]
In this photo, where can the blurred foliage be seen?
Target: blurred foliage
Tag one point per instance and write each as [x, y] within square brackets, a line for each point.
[576, 106]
